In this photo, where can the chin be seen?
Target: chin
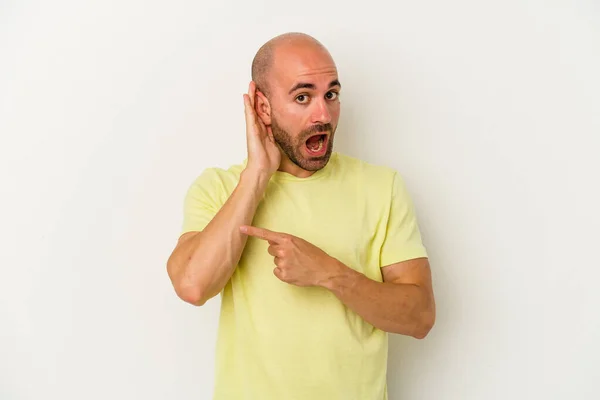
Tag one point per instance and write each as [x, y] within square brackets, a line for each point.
[315, 163]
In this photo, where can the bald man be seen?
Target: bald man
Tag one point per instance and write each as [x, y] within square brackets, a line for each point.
[316, 255]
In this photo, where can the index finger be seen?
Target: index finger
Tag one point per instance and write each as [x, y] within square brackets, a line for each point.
[261, 233]
[252, 93]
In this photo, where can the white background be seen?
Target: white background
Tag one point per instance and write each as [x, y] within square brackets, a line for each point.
[109, 110]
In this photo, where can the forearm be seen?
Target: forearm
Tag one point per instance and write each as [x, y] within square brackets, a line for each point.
[405, 309]
[203, 264]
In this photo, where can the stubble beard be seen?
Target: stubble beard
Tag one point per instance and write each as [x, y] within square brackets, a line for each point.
[293, 148]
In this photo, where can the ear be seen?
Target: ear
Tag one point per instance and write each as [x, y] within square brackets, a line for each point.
[263, 108]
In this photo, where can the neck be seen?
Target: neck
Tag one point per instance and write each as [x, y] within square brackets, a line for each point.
[288, 166]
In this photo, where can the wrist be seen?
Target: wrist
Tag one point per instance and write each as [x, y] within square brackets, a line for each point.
[256, 176]
[337, 275]
[255, 179]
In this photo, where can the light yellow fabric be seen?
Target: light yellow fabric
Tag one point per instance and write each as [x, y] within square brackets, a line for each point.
[282, 342]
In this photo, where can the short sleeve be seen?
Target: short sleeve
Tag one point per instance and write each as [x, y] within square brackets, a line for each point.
[402, 239]
[202, 201]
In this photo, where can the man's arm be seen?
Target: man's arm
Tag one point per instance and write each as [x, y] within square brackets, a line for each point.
[403, 303]
[203, 261]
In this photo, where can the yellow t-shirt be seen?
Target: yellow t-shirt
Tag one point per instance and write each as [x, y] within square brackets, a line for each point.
[278, 341]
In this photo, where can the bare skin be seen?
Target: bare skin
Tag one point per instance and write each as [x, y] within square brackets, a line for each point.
[403, 303]
[202, 262]
[295, 106]
[303, 94]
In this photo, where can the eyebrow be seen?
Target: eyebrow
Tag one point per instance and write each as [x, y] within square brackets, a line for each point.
[311, 86]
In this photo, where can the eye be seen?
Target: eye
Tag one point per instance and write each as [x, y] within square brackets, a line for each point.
[331, 95]
[302, 99]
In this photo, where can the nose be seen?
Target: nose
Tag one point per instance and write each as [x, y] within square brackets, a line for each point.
[321, 113]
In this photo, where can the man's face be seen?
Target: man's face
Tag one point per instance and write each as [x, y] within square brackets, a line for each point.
[305, 107]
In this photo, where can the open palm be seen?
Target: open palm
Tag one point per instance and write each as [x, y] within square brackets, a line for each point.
[263, 153]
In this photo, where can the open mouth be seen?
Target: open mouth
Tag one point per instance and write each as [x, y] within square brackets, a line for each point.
[316, 145]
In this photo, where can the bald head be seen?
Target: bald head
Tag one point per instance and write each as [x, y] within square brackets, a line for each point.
[297, 99]
[264, 59]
